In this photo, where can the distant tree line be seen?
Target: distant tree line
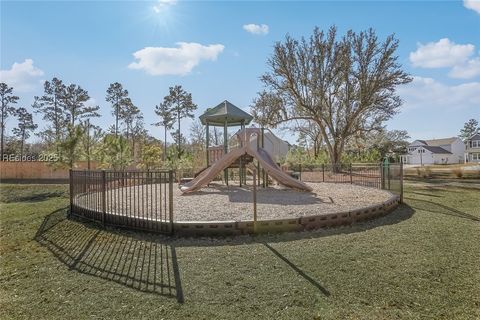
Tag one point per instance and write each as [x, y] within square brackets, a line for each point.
[335, 92]
[68, 132]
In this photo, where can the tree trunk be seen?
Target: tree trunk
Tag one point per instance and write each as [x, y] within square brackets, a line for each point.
[21, 145]
[179, 137]
[165, 144]
[116, 119]
[336, 156]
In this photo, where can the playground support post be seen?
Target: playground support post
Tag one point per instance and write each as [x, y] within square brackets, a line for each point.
[264, 182]
[254, 202]
[207, 141]
[401, 181]
[225, 149]
[259, 172]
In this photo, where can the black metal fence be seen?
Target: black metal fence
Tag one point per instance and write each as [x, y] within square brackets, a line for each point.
[144, 199]
[380, 176]
[134, 199]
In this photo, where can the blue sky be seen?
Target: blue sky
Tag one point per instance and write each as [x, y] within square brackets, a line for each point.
[209, 49]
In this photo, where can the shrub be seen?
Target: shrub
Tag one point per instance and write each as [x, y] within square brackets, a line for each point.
[424, 172]
[457, 172]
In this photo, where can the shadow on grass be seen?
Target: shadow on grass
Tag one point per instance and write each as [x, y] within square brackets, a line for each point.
[401, 213]
[298, 270]
[17, 196]
[426, 194]
[144, 264]
[148, 262]
[435, 207]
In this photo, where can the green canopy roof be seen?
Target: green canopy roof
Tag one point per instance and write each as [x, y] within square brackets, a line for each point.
[225, 111]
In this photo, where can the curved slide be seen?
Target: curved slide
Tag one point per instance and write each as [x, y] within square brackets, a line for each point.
[275, 172]
[224, 162]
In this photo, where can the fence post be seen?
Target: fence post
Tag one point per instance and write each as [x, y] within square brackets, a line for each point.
[104, 196]
[300, 173]
[323, 172]
[170, 200]
[401, 182]
[388, 175]
[71, 192]
[85, 181]
[351, 178]
[381, 176]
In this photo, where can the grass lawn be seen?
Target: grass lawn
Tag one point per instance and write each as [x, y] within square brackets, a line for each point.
[420, 262]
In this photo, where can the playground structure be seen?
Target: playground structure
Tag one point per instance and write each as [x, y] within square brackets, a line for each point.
[249, 147]
[152, 200]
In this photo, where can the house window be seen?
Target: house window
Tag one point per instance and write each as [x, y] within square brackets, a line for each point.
[475, 144]
[475, 156]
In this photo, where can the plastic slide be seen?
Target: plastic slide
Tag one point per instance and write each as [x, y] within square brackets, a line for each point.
[267, 163]
[224, 162]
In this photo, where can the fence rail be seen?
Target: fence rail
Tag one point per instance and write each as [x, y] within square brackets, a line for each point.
[379, 176]
[143, 200]
[135, 199]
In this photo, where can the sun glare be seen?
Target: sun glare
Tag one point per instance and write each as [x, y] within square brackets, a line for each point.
[163, 14]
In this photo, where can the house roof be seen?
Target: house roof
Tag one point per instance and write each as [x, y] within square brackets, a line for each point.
[475, 136]
[440, 142]
[225, 112]
[436, 150]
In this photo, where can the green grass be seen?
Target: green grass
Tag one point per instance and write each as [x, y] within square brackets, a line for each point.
[419, 262]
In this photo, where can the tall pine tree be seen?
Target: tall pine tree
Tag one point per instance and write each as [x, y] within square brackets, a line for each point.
[180, 103]
[51, 106]
[166, 121]
[25, 127]
[75, 100]
[469, 129]
[117, 96]
[7, 101]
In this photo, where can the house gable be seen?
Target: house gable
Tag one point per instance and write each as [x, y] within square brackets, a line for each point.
[417, 143]
[476, 136]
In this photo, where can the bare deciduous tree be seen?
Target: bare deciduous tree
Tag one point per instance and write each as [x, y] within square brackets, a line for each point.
[344, 85]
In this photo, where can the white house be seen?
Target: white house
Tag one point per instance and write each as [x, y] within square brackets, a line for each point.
[437, 151]
[472, 151]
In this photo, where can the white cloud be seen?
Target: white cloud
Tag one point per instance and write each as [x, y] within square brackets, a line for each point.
[427, 93]
[163, 4]
[443, 53]
[174, 61]
[472, 4]
[23, 77]
[466, 71]
[260, 29]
